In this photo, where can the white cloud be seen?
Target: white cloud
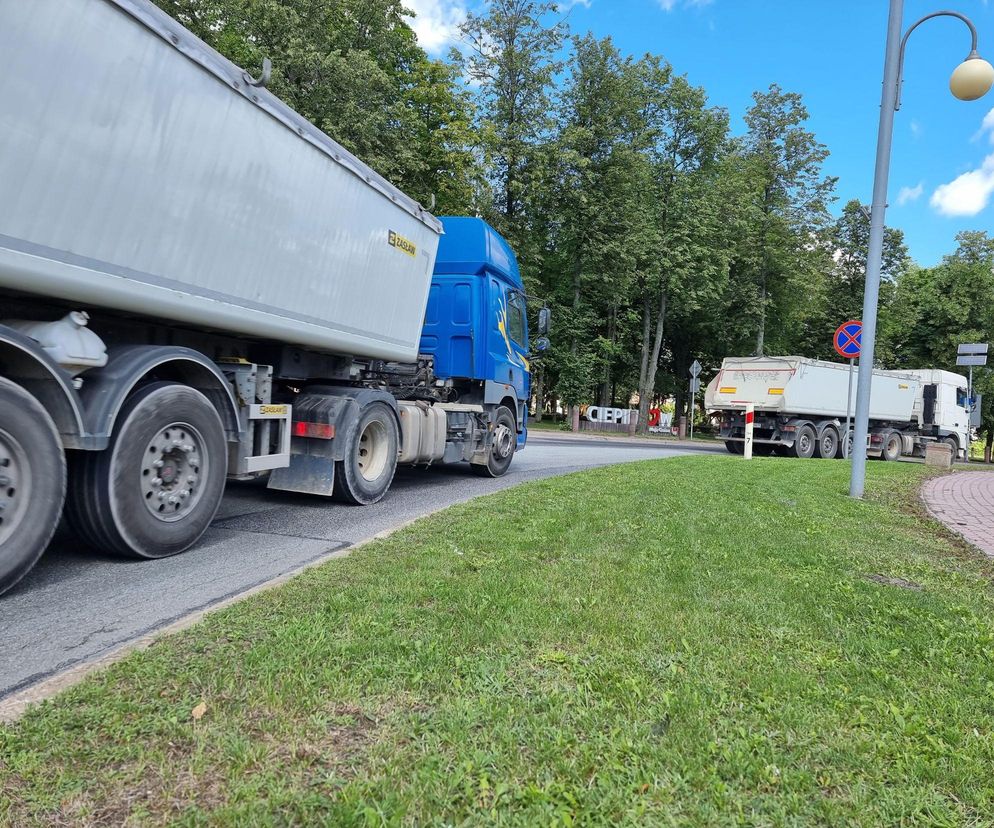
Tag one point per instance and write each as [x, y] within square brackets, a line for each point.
[669, 5]
[971, 192]
[916, 128]
[436, 22]
[908, 194]
[968, 194]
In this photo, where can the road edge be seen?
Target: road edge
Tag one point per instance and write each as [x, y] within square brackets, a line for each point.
[17, 703]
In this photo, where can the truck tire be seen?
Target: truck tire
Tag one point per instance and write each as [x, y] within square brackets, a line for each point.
[828, 443]
[32, 482]
[805, 442]
[155, 489]
[366, 472]
[734, 446]
[502, 446]
[953, 443]
[892, 448]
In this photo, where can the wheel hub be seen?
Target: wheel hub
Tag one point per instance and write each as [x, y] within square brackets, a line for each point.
[503, 442]
[173, 467]
[15, 484]
[372, 450]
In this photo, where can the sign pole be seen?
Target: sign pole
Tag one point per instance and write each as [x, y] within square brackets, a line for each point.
[692, 395]
[750, 416]
[845, 437]
[848, 343]
[971, 353]
[695, 372]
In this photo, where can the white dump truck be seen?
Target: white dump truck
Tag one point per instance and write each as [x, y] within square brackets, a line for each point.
[196, 284]
[800, 407]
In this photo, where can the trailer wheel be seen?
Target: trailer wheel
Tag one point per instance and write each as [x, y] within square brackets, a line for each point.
[502, 446]
[828, 443]
[32, 482]
[805, 442]
[156, 488]
[734, 446]
[367, 471]
[892, 447]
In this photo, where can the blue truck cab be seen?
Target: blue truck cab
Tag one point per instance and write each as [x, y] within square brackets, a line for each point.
[476, 325]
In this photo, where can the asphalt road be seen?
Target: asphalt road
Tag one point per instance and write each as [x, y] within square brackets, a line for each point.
[77, 605]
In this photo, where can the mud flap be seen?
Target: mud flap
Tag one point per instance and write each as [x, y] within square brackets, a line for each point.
[307, 474]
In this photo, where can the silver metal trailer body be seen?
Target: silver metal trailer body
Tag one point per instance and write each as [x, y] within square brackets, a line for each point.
[798, 385]
[141, 173]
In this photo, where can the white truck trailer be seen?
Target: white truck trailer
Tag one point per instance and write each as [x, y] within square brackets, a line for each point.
[800, 408]
[197, 284]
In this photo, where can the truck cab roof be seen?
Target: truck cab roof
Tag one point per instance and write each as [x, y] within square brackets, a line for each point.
[935, 376]
[471, 247]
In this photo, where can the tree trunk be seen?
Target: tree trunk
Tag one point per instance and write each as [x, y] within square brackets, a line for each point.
[648, 388]
[761, 333]
[539, 394]
[606, 380]
[988, 446]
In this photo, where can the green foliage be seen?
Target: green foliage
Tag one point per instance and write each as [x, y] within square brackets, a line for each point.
[936, 309]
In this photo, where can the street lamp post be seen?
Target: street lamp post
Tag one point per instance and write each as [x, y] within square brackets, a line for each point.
[971, 80]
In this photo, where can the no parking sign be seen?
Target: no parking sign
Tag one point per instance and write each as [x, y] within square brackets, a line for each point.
[848, 339]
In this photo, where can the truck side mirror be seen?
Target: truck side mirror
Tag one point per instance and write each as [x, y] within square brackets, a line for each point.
[544, 318]
[541, 344]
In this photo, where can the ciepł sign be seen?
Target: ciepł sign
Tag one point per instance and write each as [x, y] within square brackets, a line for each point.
[600, 414]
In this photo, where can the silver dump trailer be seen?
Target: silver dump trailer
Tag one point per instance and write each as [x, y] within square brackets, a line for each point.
[197, 284]
[152, 174]
[801, 407]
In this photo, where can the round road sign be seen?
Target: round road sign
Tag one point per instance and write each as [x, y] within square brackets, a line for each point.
[848, 339]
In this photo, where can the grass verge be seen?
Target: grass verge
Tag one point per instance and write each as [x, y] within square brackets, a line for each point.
[685, 642]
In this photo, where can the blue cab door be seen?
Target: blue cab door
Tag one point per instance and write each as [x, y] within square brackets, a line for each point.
[509, 340]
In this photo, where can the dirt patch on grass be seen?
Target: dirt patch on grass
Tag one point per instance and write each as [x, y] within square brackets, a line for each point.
[201, 772]
[890, 580]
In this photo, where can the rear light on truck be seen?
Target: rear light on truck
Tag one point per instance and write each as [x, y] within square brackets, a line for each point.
[319, 431]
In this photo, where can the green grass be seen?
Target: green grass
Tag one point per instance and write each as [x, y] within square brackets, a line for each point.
[696, 641]
[547, 425]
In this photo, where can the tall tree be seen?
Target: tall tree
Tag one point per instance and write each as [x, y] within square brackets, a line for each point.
[601, 176]
[847, 242]
[937, 309]
[790, 206]
[686, 138]
[512, 58]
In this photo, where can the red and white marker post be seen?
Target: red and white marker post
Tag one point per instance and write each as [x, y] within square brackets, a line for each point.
[750, 417]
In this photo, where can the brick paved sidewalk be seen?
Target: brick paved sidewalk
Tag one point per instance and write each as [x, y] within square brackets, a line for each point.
[964, 501]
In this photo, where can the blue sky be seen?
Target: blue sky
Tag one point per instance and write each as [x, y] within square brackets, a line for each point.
[831, 51]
